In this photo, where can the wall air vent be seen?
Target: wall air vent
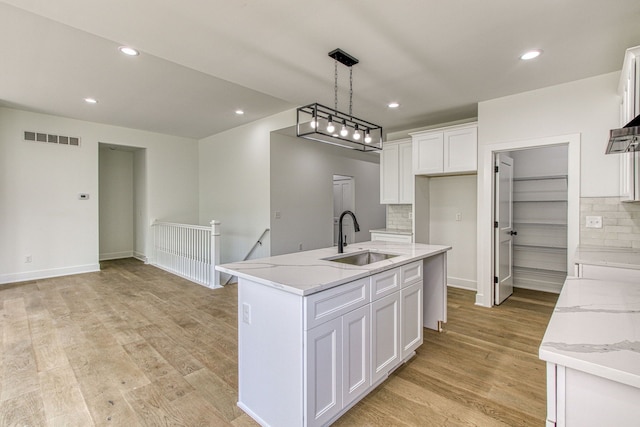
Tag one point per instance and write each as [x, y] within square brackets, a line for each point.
[50, 138]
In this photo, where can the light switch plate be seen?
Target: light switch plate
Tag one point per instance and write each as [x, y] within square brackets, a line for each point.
[594, 222]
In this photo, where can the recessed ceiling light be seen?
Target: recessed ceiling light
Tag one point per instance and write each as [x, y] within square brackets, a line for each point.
[393, 105]
[128, 51]
[531, 54]
[91, 100]
[239, 112]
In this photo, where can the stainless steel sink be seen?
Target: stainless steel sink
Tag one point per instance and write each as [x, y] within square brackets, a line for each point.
[361, 258]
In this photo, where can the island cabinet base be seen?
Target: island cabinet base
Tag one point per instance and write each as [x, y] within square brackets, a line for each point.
[306, 360]
[576, 398]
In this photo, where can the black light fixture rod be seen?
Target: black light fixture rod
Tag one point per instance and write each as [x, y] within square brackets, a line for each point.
[343, 57]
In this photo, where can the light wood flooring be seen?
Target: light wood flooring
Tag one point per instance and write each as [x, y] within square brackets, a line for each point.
[135, 346]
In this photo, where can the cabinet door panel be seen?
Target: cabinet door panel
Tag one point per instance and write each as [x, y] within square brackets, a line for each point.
[389, 182]
[356, 357]
[406, 177]
[411, 322]
[385, 336]
[460, 150]
[323, 372]
[428, 154]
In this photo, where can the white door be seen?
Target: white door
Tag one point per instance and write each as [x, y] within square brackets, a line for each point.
[411, 322]
[504, 231]
[343, 201]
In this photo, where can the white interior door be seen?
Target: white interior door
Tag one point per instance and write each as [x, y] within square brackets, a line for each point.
[342, 201]
[504, 231]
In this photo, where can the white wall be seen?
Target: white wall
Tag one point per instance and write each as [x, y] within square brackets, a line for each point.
[536, 162]
[449, 196]
[234, 168]
[588, 108]
[302, 191]
[115, 205]
[40, 213]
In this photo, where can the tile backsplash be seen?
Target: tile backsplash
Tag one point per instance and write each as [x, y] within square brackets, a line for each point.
[399, 217]
[620, 222]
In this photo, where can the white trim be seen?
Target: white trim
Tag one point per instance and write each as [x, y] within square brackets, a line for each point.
[456, 282]
[45, 274]
[116, 255]
[486, 154]
[140, 256]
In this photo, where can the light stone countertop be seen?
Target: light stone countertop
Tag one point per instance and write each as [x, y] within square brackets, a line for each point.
[595, 328]
[305, 273]
[610, 257]
[392, 231]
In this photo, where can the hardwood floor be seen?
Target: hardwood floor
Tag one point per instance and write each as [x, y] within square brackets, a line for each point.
[135, 346]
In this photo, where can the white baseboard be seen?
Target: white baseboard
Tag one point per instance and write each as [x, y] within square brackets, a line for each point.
[140, 256]
[45, 274]
[116, 255]
[456, 282]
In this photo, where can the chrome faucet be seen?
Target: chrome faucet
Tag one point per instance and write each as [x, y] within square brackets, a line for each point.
[356, 227]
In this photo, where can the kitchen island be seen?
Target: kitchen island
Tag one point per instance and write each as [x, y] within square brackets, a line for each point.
[592, 350]
[316, 333]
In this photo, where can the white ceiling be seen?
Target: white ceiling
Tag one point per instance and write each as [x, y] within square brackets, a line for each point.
[203, 59]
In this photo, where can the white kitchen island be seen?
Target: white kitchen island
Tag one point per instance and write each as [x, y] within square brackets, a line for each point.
[315, 335]
[592, 350]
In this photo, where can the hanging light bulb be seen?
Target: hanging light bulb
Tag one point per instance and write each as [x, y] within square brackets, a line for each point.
[313, 123]
[330, 126]
[367, 137]
[356, 134]
[344, 131]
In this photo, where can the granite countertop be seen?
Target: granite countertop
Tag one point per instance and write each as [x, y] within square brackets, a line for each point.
[595, 328]
[305, 273]
[610, 257]
[392, 231]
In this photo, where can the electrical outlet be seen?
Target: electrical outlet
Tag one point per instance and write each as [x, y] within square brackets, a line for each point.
[300, 247]
[277, 215]
[28, 259]
[246, 313]
[458, 216]
[594, 222]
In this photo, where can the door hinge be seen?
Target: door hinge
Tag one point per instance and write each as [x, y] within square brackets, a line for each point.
[495, 224]
[495, 279]
[496, 169]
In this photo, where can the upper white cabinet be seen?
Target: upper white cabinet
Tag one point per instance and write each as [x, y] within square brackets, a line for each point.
[629, 90]
[446, 151]
[396, 176]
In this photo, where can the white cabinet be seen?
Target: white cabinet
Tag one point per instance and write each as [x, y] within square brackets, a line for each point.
[396, 175]
[323, 348]
[385, 336]
[356, 360]
[411, 321]
[446, 151]
[629, 90]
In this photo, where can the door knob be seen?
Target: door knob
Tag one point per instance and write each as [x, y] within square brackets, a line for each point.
[513, 233]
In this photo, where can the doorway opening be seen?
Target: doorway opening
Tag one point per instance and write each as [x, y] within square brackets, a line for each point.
[122, 218]
[530, 220]
[343, 200]
[488, 238]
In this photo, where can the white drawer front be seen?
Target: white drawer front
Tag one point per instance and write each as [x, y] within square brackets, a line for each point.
[385, 283]
[411, 273]
[326, 305]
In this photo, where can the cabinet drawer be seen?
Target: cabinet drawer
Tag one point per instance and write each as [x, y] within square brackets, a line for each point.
[411, 273]
[326, 305]
[385, 283]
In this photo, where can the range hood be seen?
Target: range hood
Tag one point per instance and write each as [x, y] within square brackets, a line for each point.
[626, 139]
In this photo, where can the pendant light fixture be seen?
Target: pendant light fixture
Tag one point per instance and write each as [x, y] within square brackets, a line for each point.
[321, 123]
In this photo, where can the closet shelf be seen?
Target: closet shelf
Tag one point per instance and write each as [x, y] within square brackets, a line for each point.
[539, 222]
[539, 200]
[529, 270]
[539, 178]
[545, 248]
